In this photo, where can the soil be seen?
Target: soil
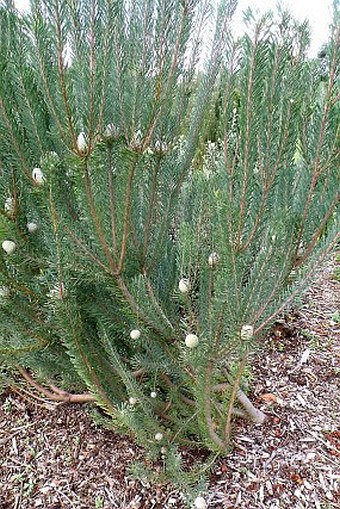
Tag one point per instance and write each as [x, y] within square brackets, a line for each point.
[54, 456]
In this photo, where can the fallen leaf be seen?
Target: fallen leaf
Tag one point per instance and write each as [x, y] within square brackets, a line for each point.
[269, 398]
[295, 477]
[278, 488]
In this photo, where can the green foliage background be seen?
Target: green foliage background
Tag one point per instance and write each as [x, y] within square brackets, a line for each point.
[152, 162]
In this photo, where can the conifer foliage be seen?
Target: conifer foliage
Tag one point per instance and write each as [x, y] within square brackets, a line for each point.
[158, 212]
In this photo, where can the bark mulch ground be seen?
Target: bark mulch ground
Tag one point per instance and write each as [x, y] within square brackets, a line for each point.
[54, 456]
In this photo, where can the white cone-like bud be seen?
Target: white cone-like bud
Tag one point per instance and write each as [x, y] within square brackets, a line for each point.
[9, 246]
[38, 176]
[82, 143]
[32, 227]
[247, 332]
[200, 503]
[163, 450]
[132, 401]
[9, 205]
[191, 340]
[4, 292]
[55, 293]
[213, 259]
[153, 394]
[110, 132]
[159, 436]
[138, 137]
[184, 286]
[52, 157]
[136, 141]
[160, 146]
[135, 334]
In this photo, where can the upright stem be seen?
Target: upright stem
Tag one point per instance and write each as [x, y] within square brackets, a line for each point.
[127, 211]
[231, 402]
[95, 218]
[256, 415]
[112, 198]
[207, 412]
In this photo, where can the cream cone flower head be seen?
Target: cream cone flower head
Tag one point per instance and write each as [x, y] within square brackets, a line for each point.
[32, 227]
[213, 259]
[38, 176]
[247, 332]
[191, 340]
[4, 292]
[9, 205]
[9, 246]
[82, 143]
[135, 334]
[200, 503]
[184, 285]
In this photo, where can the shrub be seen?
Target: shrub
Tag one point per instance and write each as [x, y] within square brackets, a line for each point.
[159, 213]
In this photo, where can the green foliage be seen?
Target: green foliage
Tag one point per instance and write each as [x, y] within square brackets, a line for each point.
[157, 168]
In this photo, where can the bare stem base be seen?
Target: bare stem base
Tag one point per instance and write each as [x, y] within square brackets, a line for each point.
[255, 415]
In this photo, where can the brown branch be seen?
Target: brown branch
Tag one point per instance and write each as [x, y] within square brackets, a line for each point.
[30, 396]
[127, 210]
[55, 224]
[112, 198]
[151, 200]
[208, 417]
[249, 411]
[56, 394]
[95, 218]
[15, 212]
[233, 396]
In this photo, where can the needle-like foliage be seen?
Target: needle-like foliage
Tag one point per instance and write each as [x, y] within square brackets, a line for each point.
[161, 202]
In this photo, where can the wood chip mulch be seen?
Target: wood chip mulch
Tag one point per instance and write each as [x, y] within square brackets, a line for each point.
[54, 456]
